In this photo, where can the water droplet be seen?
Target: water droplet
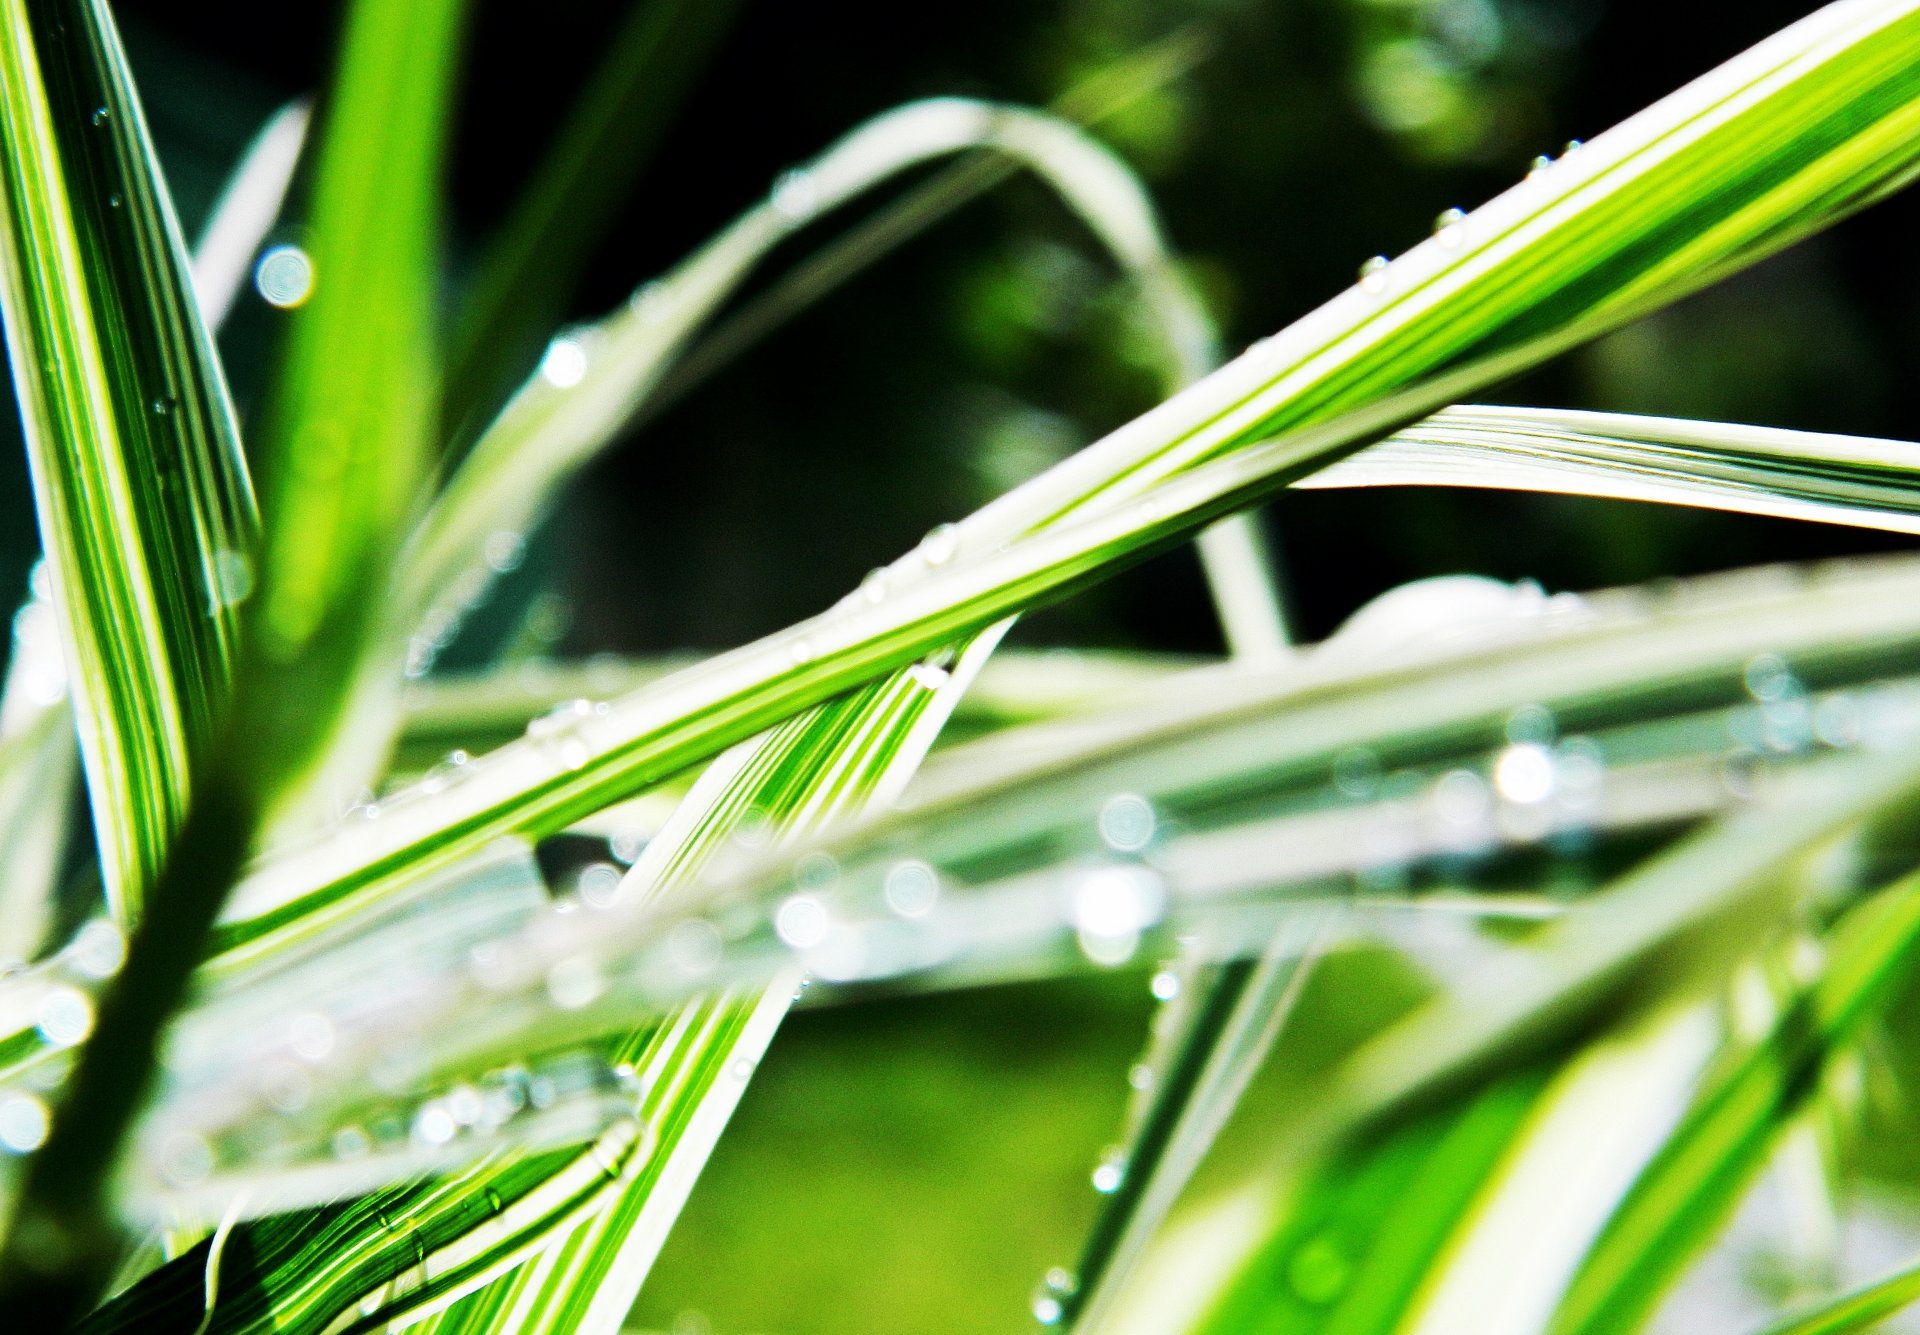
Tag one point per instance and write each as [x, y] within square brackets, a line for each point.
[351, 1142]
[802, 922]
[1450, 228]
[598, 884]
[436, 779]
[874, 587]
[310, 1035]
[694, 947]
[286, 1088]
[23, 1123]
[504, 550]
[1524, 773]
[98, 949]
[1836, 721]
[796, 197]
[565, 362]
[1531, 723]
[186, 1159]
[1374, 275]
[232, 578]
[1140, 1076]
[1319, 1271]
[1110, 907]
[1356, 773]
[1127, 823]
[573, 982]
[629, 842]
[162, 406]
[1573, 146]
[114, 201]
[800, 651]
[1464, 806]
[816, 871]
[64, 1016]
[101, 116]
[1165, 985]
[742, 1068]
[1580, 773]
[1768, 678]
[1538, 166]
[911, 889]
[465, 1105]
[434, 1125]
[1049, 1299]
[284, 276]
[940, 544]
[557, 732]
[928, 676]
[1111, 1171]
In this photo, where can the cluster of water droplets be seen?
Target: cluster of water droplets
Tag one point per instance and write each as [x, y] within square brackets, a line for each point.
[1450, 230]
[55, 1001]
[561, 732]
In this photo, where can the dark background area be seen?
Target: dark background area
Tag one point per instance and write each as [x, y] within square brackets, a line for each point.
[1000, 339]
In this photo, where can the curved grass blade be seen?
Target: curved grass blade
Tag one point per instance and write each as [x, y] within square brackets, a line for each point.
[598, 377]
[1086, 105]
[529, 268]
[142, 495]
[1745, 469]
[1005, 839]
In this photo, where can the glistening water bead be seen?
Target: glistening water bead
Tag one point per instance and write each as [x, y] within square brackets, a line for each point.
[1049, 1299]
[940, 544]
[1373, 275]
[284, 276]
[1450, 229]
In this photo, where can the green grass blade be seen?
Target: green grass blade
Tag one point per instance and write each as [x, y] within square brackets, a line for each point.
[846, 755]
[1863, 1309]
[130, 434]
[343, 449]
[350, 428]
[1677, 1205]
[1669, 930]
[1745, 469]
[528, 269]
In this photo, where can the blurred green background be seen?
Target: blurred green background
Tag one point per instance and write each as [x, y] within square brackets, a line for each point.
[915, 1165]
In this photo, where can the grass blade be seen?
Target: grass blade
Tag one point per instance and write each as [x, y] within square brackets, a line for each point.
[1745, 469]
[343, 450]
[1677, 1205]
[128, 425]
[529, 267]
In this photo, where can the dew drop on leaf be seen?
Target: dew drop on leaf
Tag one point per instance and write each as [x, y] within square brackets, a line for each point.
[940, 544]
